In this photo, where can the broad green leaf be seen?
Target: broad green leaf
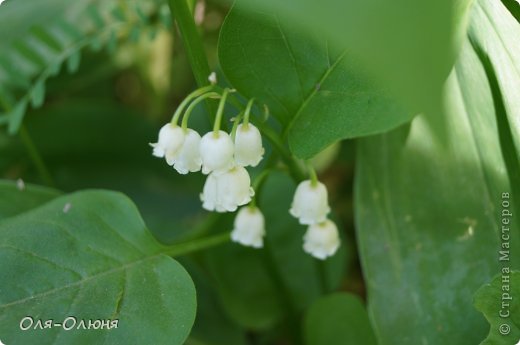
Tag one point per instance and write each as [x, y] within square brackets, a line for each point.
[408, 45]
[259, 287]
[499, 302]
[339, 319]
[429, 199]
[494, 32]
[89, 255]
[18, 197]
[317, 92]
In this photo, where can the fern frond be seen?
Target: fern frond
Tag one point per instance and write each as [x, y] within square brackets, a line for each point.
[41, 52]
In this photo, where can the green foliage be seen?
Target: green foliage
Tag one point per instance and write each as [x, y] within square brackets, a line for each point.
[427, 199]
[317, 92]
[92, 258]
[488, 300]
[339, 319]
[81, 153]
[18, 199]
[42, 45]
[409, 46]
[427, 194]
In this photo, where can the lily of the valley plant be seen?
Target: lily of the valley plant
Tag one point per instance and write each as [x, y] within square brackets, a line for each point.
[224, 157]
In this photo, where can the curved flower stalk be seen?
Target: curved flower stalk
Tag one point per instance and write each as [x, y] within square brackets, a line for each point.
[171, 137]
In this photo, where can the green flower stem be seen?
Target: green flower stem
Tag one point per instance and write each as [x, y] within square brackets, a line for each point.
[194, 104]
[188, 99]
[181, 14]
[237, 120]
[258, 183]
[321, 268]
[294, 167]
[312, 174]
[36, 157]
[188, 247]
[33, 152]
[220, 112]
[248, 110]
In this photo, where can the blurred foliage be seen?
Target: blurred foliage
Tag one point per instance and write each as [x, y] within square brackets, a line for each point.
[85, 85]
[428, 198]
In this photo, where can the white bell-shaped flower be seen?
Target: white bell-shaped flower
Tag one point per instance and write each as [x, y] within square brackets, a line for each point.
[188, 159]
[249, 227]
[248, 146]
[216, 152]
[209, 196]
[225, 192]
[321, 240]
[171, 138]
[310, 204]
[234, 189]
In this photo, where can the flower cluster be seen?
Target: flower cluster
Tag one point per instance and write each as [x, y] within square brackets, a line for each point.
[223, 158]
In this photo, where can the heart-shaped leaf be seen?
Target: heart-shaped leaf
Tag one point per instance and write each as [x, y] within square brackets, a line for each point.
[89, 256]
[317, 92]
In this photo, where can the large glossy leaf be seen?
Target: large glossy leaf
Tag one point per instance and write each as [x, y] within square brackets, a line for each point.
[16, 198]
[409, 46]
[428, 200]
[499, 302]
[259, 287]
[339, 319]
[89, 255]
[317, 92]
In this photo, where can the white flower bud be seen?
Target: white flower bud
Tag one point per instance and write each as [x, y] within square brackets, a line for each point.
[216, 152]
[249, 229]
[212, 78]
[310, 204]
[169, 143]
[248, 146]
[225, 192]
[188, 159]
[321, 240]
